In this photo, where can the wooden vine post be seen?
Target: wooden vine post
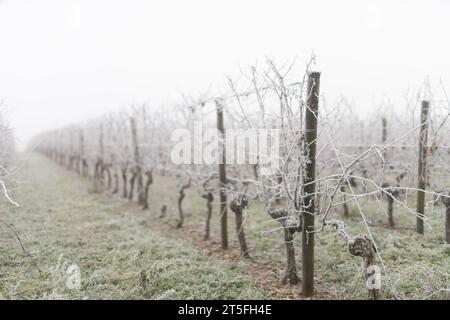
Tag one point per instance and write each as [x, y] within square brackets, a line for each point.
[446, 202]
[83, 163]
[137, 161]
[98, 170]
[222, 176]
[384, 136]
[384, 130]
[447, 219]
[312, 109]
[421, 178]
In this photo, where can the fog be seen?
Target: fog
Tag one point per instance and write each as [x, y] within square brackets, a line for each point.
[63, 61]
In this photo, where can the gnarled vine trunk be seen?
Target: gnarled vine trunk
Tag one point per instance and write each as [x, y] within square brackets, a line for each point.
[132, 181]
[209, 199]
[446, 201]
[85, 168]
[180, 203]
[124, 182]
[362, 246]
[163, 211]
[108, 174]
[290, 225]
[238, 205]
[291, 270]
[116, 182]
[148, 183]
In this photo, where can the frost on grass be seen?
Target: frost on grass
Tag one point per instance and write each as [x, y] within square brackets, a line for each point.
[112, 247]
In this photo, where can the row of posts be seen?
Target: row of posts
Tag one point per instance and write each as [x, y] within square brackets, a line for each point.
[311, 116]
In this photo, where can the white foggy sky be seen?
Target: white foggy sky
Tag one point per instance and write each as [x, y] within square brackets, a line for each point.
[63, 61]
